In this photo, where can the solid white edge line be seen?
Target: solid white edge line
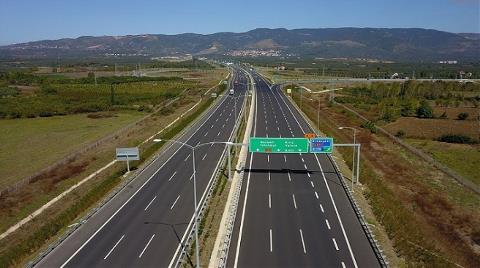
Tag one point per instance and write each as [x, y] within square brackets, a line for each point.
[150, 203]
[329, 193]
[239, 240]
[303, 242]
[191, 220]
[146, 246]
[338, 215]
[138, 190]
[111, 250]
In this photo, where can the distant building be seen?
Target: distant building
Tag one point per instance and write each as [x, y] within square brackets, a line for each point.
[448, 62]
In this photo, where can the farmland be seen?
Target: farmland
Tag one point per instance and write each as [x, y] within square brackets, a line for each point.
[38, 142]
[430, 219]
[141, 107]
[53, 97]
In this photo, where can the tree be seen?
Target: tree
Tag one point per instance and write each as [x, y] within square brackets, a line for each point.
[462, 116]
[424, 110]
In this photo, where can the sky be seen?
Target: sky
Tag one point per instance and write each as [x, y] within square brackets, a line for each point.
[31, 20]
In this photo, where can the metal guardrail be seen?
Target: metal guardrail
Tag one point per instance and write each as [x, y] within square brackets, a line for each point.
[204, 203]
[72, 228]
[222, 253]
[232, 213]
[358, 212]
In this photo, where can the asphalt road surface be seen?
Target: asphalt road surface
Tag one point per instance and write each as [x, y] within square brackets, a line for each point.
[293, 210]
[143, 224]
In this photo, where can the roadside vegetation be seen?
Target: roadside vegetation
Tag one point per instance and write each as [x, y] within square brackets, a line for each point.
[315, 68]
[444, 112]
[73, 131]
[30, 96]
[432, 220]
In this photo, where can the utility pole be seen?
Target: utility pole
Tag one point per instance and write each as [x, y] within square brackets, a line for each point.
[112, 94]
[301, 97]
[478, 119]
[318, 114]
[323, 71]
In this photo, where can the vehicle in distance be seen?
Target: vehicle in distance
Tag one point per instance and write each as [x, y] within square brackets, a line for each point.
[232, 91]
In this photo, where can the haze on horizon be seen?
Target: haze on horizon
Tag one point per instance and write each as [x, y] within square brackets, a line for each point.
[29, 20]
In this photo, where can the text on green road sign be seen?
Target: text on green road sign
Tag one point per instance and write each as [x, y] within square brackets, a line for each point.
[278, 145]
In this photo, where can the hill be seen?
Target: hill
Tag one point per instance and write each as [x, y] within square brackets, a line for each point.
[398, 44]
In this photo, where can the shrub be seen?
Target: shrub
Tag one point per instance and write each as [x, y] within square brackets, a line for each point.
[424, 110]
[166, 111]
[389, 115]
[45, 114]
[443, 116]
[15, 114]
[369, 125]
[400, 134]
[49, 90]
[455, 138]
[462, 116]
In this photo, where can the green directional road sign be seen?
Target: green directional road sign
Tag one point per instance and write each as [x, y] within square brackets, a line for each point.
[278, 145]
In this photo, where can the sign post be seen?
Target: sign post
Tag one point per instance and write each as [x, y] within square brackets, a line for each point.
[127, 154]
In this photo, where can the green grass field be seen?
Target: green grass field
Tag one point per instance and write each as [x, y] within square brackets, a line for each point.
[462, 158]
[28, 145]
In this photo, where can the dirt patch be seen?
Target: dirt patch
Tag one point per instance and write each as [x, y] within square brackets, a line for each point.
[417, 205]
[101, 115]
[432, 128]
[452, 113]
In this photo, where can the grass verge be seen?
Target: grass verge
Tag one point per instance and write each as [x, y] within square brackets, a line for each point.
[18, 247]
[431, 220]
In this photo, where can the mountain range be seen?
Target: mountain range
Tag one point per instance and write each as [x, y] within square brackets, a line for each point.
[396, 44]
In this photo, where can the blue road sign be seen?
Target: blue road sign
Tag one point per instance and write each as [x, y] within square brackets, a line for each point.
[321, 145]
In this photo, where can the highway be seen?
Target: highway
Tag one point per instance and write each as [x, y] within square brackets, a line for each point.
[293, 210]
[142, 225]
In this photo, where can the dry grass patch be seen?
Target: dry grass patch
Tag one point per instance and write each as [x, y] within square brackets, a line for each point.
[431, 219]
[432, 128]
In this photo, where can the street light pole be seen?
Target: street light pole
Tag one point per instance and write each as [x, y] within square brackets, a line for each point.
[318, 114]
[197, 250]
[353, 158]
